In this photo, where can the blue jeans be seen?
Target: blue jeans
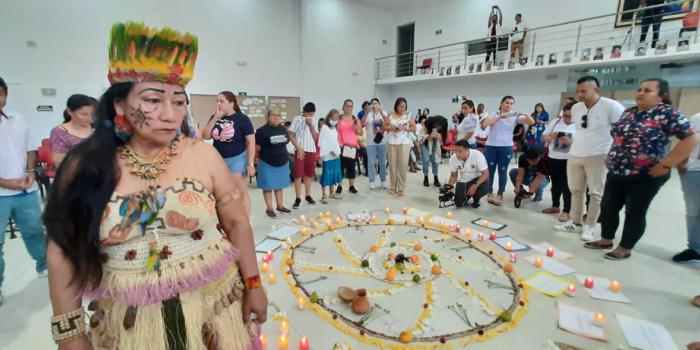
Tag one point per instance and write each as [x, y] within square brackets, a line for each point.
[690, 182]
[25, 209]
[498, 156]
[527, 180]
[376, 153]
[428, 158]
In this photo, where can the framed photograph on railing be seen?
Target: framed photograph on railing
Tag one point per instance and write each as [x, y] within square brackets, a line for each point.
[568, 55]
[553, 58]
[672, 11]
[585, 55]
[616, 51]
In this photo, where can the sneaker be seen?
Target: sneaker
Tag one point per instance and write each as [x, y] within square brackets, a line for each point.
[426, 183]
[384, 185]
[568, 227]
[551, 210]
[353, 189]
[476, 205]
[436, 182]
[310, 200]
[297, 203]
[538, 198]
[339, 190]
[43, 274]
[687, 255]
[588, 233]
[371, 185]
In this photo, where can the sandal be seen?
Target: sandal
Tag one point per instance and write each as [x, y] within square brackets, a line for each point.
[564, 217]
[400, 194]
[270, 213]
[616, 256]
[498, 200]
[489, 198]
[597, 245]
[283, 210]
[323, 200]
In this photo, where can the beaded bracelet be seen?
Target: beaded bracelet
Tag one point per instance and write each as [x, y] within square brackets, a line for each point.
[68, 326]
[253, 282]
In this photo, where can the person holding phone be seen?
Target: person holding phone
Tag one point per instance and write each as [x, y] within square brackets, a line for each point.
[559, 136]
[376, 143]
[398, 125]
[499, 145]
[349, 127]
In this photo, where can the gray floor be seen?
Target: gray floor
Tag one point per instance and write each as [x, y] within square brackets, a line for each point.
[660, 290]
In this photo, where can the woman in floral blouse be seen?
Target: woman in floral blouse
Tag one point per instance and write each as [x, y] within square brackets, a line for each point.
[639, 164]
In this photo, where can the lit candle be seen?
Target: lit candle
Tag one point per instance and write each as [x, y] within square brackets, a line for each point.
[449, 215]
[374, 218]
[320, 215]
[328, 214]
[271, 278]
[269, 256]
[338, 220]
[615, 286]
[469, 233]
[284, 326]
[509, 246]
[458, 228]
[599, 319]
[421, 220]
[588, 283]
[387, 210]
[571, 290]
[512, 257]
[289, 241]
[480, 236]
[263, 340]
[304, 231]
[283, 341]
[492, 236]
[430, 222]
[550, 252]
[329, 223]
[285, 245]
[405, 211]
[302, 218]
[304, 343]
[301, 303]
[265, 267]
[486, 223]
[539, 262]
[314, 224]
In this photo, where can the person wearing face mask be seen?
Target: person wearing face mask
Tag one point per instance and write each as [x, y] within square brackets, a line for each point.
[148, 225]
[330, 150]
[375, 143]
[640, 164]
[585, 167]
[499, 145]
[76, 127]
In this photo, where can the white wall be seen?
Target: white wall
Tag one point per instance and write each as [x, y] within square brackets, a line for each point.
[339, 41]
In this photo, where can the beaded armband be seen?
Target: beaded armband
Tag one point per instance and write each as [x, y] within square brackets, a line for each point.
[68, 326]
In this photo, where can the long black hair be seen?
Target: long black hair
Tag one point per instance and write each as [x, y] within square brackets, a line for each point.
[534, 112]
[76, 102]
[664, 89]
[84, 184]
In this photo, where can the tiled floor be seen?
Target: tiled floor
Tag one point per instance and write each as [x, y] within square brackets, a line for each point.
[660, 290]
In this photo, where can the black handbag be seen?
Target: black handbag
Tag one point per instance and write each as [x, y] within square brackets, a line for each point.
[378, 137]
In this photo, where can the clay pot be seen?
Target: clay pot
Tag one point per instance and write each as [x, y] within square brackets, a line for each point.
[346, 294]
[360, 305]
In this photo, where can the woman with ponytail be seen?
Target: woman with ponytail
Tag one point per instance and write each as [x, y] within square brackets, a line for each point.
[147, 223]
[76, 127]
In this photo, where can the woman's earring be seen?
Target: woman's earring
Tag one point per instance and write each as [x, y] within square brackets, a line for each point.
[123, 128]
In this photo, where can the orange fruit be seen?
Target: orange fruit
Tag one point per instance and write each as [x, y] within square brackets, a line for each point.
[406, 337]
[418, 247]
[414, 259]
[508, 268]
[373, 249]
[390, 274]
[290, 262]
[436, 270]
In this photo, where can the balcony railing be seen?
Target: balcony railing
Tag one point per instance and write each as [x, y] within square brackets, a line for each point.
[589, 39]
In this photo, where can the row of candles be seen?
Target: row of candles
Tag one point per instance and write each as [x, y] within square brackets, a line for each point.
[283, 338]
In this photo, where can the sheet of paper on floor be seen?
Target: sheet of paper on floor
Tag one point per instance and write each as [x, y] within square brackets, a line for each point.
[547, 284]
[517, 245]
[283, 233]
[645, 335]
[578, 321]
[601, 289]
[552, 265]
[558, 253]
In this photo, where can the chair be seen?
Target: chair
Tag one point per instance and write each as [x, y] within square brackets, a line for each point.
[449, 145]
[46, 170]
[427, 63]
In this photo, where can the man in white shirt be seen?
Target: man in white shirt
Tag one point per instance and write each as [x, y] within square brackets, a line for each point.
[690, 182]
[593, 115]
[495, 30]
[303, 134]
[19, 198]
[517, 39]
[468, 169]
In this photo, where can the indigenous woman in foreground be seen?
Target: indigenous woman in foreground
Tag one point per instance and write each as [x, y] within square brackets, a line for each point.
[146, 222]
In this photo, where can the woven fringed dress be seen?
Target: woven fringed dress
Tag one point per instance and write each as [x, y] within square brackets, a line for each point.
[191, 300]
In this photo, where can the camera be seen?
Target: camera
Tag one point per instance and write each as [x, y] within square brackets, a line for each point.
[522, 194]
[447, 196]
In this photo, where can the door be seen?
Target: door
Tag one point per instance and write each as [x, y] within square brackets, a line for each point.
[404, 50]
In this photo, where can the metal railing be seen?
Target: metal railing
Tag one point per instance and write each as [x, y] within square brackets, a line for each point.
[587, 39]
